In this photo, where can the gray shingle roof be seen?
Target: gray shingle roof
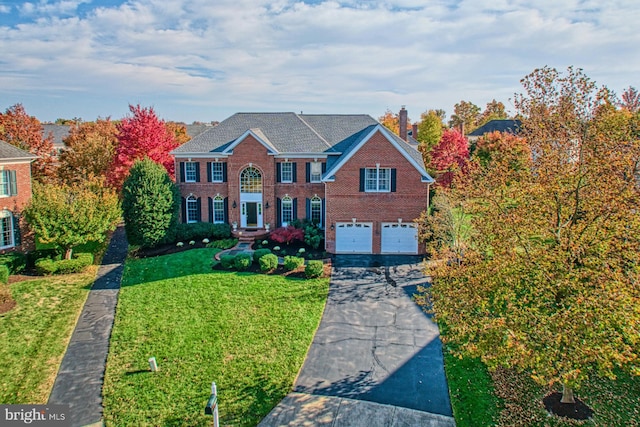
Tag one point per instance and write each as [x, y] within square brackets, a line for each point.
[287, 132]
[59, 133]
[507, 126]
[11, 152]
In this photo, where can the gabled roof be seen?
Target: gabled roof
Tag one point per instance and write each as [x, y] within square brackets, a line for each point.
[10, 152]
[59, 132]
[287, 132]
[506, 126]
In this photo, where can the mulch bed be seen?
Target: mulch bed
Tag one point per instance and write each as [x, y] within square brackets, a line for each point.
[279, 271]
[575, 411]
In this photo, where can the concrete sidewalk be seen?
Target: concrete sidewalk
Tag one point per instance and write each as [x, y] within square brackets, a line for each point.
[298, 409]
[81, 373]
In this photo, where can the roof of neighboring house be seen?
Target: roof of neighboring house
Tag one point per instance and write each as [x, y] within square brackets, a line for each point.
[59, 132]
[194, 130]
[11, 152]
[506, 126]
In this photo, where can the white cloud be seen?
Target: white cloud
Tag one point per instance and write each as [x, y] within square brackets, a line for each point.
[357, 56]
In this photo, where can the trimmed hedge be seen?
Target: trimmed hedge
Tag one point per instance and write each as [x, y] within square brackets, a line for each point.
[259, 253]
[313, 269]
[292, 262]
[227, 261]
[199, 230]
[4, 274]
[242, 261]
[223, 243]
[15, 262]
[47, 266]
[268, 262]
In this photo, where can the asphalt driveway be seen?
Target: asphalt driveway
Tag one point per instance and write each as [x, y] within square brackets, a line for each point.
[374, 343]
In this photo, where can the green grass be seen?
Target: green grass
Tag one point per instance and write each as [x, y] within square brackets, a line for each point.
[507, 398]
[35, 334]
[247, 332]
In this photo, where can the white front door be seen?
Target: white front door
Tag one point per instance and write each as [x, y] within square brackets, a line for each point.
[399, 238]
[251, 214]
[354, 237]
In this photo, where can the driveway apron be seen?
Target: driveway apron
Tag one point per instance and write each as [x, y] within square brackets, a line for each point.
[374, 342]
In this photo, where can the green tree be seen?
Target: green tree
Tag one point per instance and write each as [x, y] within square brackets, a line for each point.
[429, 133]
[494, 110]
[465, 114]
[549, 280]
[150, 203]
[68, 216]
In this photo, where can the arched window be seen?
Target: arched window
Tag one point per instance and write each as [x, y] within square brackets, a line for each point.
[251, 181]
[316, 211]
[287, 210]
[6, 229]
[218, 210]
[192, 209]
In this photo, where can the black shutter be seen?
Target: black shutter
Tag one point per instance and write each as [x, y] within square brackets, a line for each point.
[307, 172]
[184, 210]
[224, 172]
[17, 235]
[294, 171]
[199, 209]
[393, 180]
[210, 209]
[279, 212]
[209, 172]
[362, 179]
[278, 172]
[322, 214]
[181, 171]
[295, 207]
[324, 167]
[13, 183]
[226, 208]
[308, 209]
[197, 171]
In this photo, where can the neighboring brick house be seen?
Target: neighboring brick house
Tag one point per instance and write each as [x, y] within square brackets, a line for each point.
[15, 193]
[358, 181]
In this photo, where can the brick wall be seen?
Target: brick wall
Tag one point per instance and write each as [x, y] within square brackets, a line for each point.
[345, 201]
[15, 204]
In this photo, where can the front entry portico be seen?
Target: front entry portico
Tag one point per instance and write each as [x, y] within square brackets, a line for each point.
[251, 214]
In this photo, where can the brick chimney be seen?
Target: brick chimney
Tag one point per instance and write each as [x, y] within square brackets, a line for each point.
[414, 130]
[403, 123]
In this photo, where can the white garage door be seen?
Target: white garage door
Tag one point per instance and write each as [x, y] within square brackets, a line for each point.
[399, 238]
[354, 237]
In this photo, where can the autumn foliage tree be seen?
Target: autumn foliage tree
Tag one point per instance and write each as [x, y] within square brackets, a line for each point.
[449, 157]
[430, 130]
[465, 114]
[502, 147]
[90, 149]
[71, 215]
[391, 121]
[549, 281]
[25, 132]
[139, 136]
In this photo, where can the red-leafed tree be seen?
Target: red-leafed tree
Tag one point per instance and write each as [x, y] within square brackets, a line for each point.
[450, 156]
[139, 136]
[25, 132]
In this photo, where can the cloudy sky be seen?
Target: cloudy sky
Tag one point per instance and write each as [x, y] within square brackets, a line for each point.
[206, 59]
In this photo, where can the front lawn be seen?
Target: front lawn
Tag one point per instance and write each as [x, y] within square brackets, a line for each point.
[35, 334]
[249, 333]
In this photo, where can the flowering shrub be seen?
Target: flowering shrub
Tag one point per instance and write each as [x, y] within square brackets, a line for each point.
[287, 235]
[193, 242]
[301, 250]
[179, 244]
[265, 242]
[276, 248]
[205, 241]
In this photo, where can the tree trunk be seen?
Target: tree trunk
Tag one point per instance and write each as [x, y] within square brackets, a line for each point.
[567, 394]
[67, 253]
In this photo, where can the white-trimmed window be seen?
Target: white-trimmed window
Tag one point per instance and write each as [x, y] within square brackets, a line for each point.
[190, 173]
[8, 183]
[192, 209]
[286, 172]
[316, 172]
[218, 210]
[217, 174]
[316, 211]
[6, 229]
[377, 180]
[287, 211]
[251, 181]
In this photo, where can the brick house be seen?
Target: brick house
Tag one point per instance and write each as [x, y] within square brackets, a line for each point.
[358, 181]
[15, 193]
